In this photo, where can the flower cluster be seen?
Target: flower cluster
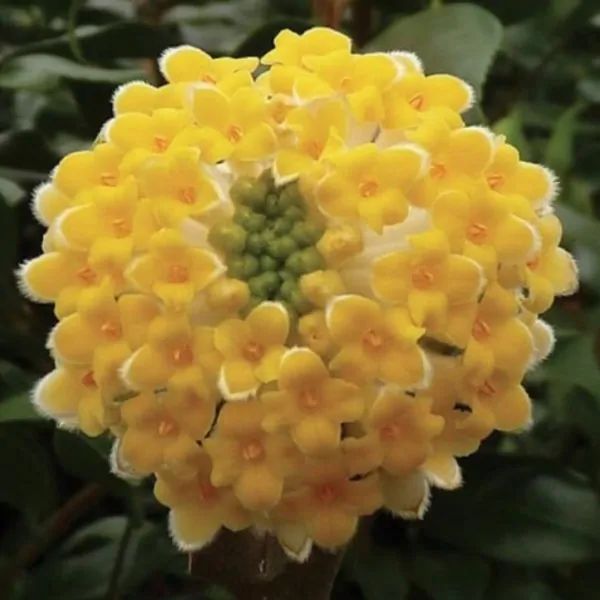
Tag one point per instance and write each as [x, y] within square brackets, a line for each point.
[295, 298]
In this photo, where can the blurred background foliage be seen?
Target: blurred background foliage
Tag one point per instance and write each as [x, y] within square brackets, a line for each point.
[527, 523]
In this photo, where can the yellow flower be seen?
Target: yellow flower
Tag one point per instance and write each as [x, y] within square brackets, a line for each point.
[236, 123]
[172, 270]
[49, 203]
[328, 503]
[178, 186]
[339, 244]
[321, 286]
[416, 96]
[186, 64]
[72, 397]
[427, 278]
[405, 427]
[371, 184]
[310, 404]
[173, 346]
[509, 175]
[198, 508]
[375, 343]
[292, 48]
[319, 133]
[139, 96]
[155, 438]
[252, 349]
[313, 332]
[484, 221]
[248, 459]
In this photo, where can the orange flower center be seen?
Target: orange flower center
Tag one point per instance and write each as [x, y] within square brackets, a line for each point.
[208, 78]
[477, 233]
[438, 171]
[253, 352]
[481, 330]
[187, 195]
[252, 451]
[234, 134]
[108, 178]
[88, 379]
[111, 329]
[121, 227]
[346, 84]
[183, 355]
[417, 101]
[422, 278]
[278, 111]
[309, 399]
[372, 340]
[495, 180]
[178, 274]
[314, 149]
[207, 491]
[368, 188]
[166, 427]
[86, 275]
[327, 493]
[487, 389]
[390, 431]
[161, 143]
[533, 263]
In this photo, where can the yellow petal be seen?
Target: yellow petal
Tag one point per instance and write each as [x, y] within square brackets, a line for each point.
[268, 368]
[465, 279]
[316, 436]
[79, 227]
[211, 107]
[73, 340]
[136, 313]
[406, 367]
[469, 150]
[49, 203]
[443, 471]
[258, 488]
[237, 380]
[447, 90]
[258, 143]
[58, 394]
[332, 528]
[231, 337]
[47, 275]
[147, 369]
[192, 527]
[269, 323]
[514, 240]
[136, 96]
[512, 409]
[349, 316]
[408, 496]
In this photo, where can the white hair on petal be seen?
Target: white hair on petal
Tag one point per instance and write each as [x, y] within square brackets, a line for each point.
[167, 53]
[404, 57]
[37, 194]
[125, 86]
[119, 467]
[187, 546]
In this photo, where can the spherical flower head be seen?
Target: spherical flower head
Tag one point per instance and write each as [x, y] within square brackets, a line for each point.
[296, 298]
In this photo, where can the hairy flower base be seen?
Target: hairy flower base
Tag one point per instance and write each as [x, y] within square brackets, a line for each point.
[297, 298]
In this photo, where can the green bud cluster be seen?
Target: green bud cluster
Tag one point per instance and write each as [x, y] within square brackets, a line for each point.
[270, 242]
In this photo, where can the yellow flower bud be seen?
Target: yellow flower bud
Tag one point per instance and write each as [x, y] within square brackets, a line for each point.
[340, 243]
[314, 333]
[227, 295]
[320, 286]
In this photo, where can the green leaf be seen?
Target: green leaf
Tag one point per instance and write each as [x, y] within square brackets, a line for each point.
[578, 227]
[448, 575]
[510, 11]
[44, 71]
[511, 126]
[379, 571]
[520, 510]
[11, 192]
[8, 235]
[18, 408]
[28, 474]
[559, 150]
[589, 88]
[514, 583]
[460, 39]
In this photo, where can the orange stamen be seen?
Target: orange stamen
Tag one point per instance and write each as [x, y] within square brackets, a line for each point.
[533, 263]
[187, 195]
[368, 188]
[314, 149]
[372, 340]
[390, 432]
[327, 493]
[252, 451]
[178, 274]
[111, 330]
[183, 355]
[487, 389]
[208, 78]
[417, 101]
[422, 278]
[108, 178]
[253, 352]
[309, 399]
[88, 379]
[161, 143]
[234, 133]
[207, 491]
[477, 233]
[120, 227]
[346, 83]
[481, 330]
[166, 427]
[495, 180]
[86, 275]
[437, 171]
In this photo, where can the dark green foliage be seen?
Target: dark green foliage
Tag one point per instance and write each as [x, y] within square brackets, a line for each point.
[526, 525]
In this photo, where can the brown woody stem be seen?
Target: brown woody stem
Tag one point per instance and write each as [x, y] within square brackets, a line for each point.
[255, 568]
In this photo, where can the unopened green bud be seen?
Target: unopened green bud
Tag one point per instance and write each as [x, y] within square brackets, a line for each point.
[282, 226]
[235, 268]
[290, 195]
[287, 275]
[251, 266]
[228, 237]
[282, 247]
[266, 179]
[306, 234]
[304, 261]
[294, 214]
[299, 302]
[268, 263]
[273, 206]
[265, 284]
[256, 244]
[288, 289]
[248, 219]
[249, 191]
